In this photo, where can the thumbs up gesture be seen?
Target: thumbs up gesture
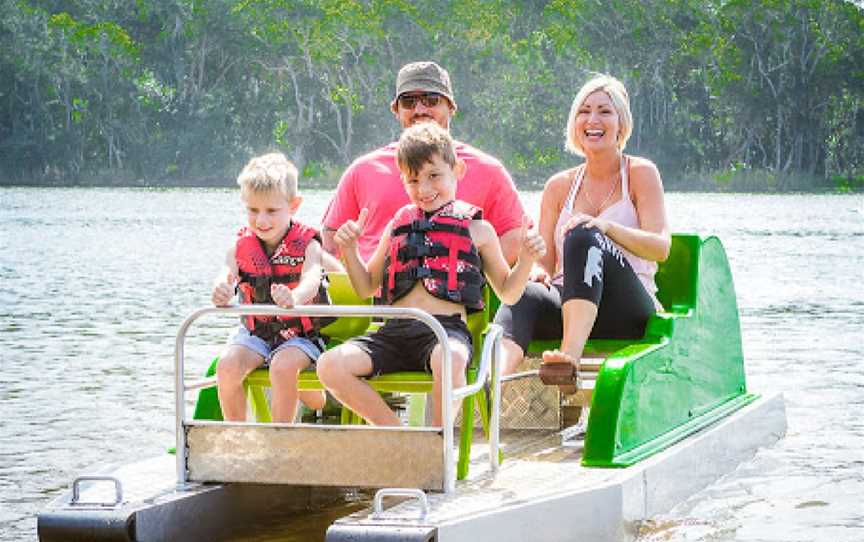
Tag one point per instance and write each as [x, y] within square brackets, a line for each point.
[223, 290]
[533, 247]
[348, 233]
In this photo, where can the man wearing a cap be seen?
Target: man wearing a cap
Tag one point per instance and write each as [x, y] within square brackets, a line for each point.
[423, 94]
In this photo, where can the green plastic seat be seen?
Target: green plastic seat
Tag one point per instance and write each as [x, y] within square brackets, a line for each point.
[341, 293]
[676, 280]
[686, 372]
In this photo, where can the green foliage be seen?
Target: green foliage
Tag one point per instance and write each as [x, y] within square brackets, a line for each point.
[754, 95]
[849, 185]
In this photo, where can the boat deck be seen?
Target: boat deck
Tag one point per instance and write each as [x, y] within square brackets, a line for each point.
[542, 492]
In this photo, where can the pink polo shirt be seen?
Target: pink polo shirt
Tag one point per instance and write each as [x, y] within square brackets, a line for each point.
[373, 181]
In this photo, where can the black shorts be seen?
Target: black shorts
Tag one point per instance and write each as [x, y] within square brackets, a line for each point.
[406, 344]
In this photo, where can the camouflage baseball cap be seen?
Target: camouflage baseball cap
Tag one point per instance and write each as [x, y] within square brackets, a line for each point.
[423, 76]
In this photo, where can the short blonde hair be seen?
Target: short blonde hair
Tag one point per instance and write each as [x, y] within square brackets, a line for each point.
[267, 173]
[419, 143]
[620, 101]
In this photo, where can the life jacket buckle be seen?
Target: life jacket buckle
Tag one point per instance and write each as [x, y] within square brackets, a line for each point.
[267, 330]
[421, 273]
[261, 289]
[411, 252]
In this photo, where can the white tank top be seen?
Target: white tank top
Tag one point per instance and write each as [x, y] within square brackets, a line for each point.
[621, 212]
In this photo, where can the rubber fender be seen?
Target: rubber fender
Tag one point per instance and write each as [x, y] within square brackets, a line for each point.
[380, 533]
[86, 525]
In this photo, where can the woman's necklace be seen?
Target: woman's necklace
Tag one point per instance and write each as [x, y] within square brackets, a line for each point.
[599, 208]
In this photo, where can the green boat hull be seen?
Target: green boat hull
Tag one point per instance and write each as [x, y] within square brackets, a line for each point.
[685, 374]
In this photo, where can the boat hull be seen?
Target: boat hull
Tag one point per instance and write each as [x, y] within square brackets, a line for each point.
[542, 492]
[154, 509]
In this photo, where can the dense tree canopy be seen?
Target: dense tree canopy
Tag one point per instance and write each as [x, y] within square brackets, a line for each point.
[751, 94]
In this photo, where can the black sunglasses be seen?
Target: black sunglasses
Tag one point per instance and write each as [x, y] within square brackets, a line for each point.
[429, 99]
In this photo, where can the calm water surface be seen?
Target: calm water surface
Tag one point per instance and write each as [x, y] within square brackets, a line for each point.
[96, 281]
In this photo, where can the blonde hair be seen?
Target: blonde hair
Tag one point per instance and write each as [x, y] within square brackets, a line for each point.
[620, 101]
[267, 173]
[420, 142]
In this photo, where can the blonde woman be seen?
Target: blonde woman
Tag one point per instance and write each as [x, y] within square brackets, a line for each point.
[604, 223]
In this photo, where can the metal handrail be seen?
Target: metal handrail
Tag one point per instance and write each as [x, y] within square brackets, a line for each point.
[535, 373]
[489, 361]
[492, 349]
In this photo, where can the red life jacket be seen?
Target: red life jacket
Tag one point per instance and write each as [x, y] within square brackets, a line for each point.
[258, 272]
[438, 251]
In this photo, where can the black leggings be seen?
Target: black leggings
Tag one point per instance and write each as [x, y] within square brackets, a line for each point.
[594, 270]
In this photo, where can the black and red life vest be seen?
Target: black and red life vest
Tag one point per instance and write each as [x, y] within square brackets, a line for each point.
[285, 266]
[437, 250]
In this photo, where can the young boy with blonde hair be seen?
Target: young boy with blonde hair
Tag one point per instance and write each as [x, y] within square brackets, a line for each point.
[275, 260]
[435, 255]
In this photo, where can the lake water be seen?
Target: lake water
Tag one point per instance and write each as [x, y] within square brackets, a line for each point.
[96, 281]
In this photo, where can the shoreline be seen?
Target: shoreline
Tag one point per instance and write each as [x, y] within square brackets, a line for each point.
[316, 184]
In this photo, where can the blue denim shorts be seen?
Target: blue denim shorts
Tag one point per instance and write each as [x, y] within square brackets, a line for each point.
[242, 337]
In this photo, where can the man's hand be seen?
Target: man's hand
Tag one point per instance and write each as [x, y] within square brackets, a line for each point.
[282, 295]
[223, 292]
[348, 233]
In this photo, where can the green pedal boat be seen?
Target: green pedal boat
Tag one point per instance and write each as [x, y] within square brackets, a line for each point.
[666, 415]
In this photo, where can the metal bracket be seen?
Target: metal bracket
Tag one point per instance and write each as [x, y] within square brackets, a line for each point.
[76, 490]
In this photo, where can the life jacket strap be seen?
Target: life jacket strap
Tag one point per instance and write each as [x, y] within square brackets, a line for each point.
[410, 252]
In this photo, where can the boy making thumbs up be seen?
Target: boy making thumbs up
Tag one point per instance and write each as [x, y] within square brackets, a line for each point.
[274, 259]
[435, 255]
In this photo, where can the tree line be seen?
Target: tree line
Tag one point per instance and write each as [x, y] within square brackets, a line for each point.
[742, 94]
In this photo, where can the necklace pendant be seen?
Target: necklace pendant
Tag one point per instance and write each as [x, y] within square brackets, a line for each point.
[599, 208]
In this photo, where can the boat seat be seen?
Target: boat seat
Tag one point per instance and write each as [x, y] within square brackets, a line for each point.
[676, 281]
[341, 293]
[683, 374]
[337, 332]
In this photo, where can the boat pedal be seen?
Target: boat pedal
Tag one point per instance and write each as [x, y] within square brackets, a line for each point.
[559, 374]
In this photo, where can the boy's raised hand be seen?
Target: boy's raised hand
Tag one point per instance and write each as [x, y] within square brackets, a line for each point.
[533, 246]
[223, 291]
[348, 233]
[282, 295]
